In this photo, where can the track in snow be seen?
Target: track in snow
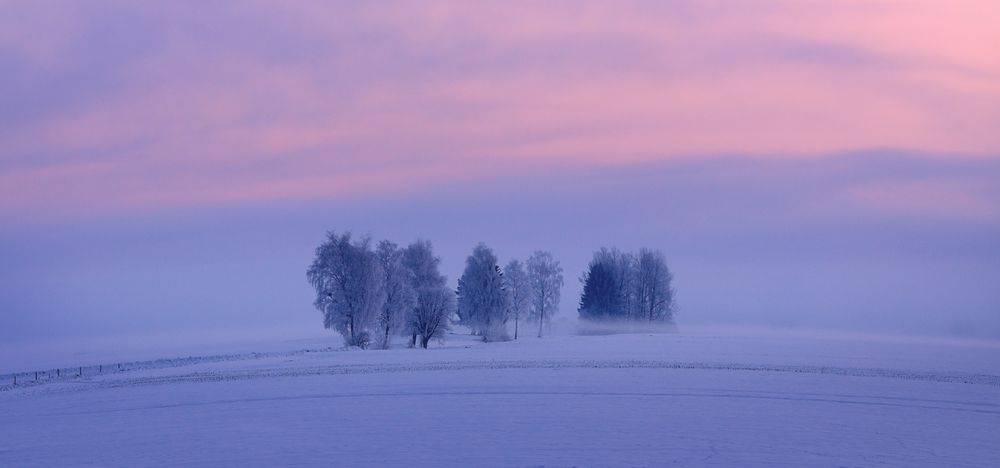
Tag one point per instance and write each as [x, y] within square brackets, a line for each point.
[871, 400]
[215, 376]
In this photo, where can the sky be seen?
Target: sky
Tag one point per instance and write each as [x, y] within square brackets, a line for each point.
[171, 166]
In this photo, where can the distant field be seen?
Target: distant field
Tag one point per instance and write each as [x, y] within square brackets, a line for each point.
[720, 399]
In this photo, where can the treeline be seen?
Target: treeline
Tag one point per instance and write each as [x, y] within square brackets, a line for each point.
[371, 293]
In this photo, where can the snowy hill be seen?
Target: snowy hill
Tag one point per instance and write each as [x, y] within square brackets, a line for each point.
[694, 399]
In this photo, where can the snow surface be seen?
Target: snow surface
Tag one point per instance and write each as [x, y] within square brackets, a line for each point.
[689, 399]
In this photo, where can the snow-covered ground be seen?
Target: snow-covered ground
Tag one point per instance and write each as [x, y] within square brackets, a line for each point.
[696, 399]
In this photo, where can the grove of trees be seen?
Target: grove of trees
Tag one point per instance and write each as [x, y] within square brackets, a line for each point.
[489, 296]
[624, 286]
[370, 296]
[373, 294]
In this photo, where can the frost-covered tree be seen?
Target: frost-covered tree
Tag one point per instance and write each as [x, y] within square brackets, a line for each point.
[519, 292]
[545, 280]
[435, 306]
[350, 286]
[419, 259]
[400, 297]
[482, 299]
[627, 287]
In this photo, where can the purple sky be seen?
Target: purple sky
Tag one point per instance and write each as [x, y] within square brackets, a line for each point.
[172, 165]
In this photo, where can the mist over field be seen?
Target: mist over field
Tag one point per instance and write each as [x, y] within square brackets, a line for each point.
[750, 243]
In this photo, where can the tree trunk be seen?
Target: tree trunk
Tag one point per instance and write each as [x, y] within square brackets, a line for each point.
[353, 341]
[424, 340]
[541, 311]
[413, 340]
[385, 342]
[515, 328]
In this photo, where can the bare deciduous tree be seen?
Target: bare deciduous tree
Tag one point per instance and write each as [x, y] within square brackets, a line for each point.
[419, 258]
[435, 306]
[545, 279]
[654, 293]
[519, 292]
[400, 297]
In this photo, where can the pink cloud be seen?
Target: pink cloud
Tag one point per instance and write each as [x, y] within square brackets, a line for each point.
[358, 98]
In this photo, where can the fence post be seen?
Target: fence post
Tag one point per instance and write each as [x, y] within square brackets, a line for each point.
[81, 372]
[36, 376]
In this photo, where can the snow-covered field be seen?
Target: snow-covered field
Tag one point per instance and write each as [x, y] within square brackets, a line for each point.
[696, 399]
